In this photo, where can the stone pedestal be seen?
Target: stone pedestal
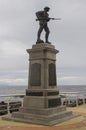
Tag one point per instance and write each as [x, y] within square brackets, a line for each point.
[42, 102]
[42, 89]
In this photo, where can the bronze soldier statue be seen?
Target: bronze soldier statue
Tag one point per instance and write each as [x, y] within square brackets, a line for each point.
[43, 18]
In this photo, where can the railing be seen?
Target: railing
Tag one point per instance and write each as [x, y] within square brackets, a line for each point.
[13, 102]
[73, 98]
[10, 103]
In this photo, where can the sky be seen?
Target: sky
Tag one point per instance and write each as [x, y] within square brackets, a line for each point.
[18, 32]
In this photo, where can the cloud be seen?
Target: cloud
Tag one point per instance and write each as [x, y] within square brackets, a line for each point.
[12, 82]
[72, 80]
[72, 76]
[14, 77]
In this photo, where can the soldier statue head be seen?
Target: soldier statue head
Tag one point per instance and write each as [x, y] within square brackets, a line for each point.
[46, 9]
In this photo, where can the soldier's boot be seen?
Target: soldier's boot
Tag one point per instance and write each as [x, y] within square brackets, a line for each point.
[39, 41]
[48, 42]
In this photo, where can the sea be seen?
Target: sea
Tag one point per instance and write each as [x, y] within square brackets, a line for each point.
[11, 90]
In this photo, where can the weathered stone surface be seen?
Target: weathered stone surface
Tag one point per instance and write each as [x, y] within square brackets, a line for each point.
[47, 120]
[46, 112]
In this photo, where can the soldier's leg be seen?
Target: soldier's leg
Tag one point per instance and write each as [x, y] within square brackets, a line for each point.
[39, 32]
[47, 34]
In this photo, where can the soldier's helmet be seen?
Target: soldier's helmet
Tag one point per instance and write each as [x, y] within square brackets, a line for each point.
[46, 8]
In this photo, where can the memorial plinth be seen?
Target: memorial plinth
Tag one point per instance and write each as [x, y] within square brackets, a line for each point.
[42, 90]
[42, 102]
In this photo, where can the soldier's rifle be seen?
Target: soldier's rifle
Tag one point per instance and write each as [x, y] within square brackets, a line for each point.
[49, 19]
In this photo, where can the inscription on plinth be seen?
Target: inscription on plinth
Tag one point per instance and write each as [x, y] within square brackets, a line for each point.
[54, 102]
[35, 74]
[34, 93]
[52, 75]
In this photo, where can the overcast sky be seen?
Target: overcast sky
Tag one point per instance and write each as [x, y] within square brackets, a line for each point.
[18, 32]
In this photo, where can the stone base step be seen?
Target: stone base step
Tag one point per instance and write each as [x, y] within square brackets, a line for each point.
[47, 111]
[41, 117]
[48, 121]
